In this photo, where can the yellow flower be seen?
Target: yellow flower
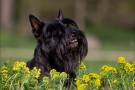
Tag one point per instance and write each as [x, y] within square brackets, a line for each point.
[37, 72]
[133, 84]
[52, 71]
[98, 82]
[77, 82]
[46, 80]
[93, 75]
[50, 89]
[4, 71]
[63, 75]
[128, 67]
[18, 82]
[106, 68]
[82, 65]
[16, 66]
[86, 78]
[82, 86]
[115, 81]
[133, 64]
[121, 60]
[55, 75]
[26, 69]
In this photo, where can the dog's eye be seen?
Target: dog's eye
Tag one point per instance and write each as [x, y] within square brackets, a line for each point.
[73, 32]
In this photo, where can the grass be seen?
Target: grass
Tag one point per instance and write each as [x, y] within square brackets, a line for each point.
[95, 66]
[11, 39]
[92, 66]
[113, 37]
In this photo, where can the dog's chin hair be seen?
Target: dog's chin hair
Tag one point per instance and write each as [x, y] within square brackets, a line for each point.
[59, 46]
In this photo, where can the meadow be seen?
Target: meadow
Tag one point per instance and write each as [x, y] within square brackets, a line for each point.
[111, 38]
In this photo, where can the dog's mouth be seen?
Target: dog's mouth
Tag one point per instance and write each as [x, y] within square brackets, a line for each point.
[74, 42]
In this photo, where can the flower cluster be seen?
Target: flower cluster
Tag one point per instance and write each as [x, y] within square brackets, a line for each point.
[54, 82]
[18, 77]
[88, 81]
[109, 77]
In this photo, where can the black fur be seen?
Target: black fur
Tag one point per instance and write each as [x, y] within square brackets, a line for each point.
[61, 45]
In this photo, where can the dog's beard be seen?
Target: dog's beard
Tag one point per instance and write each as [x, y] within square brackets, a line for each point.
[73, 44]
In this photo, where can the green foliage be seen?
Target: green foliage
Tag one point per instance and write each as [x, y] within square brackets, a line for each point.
[18, 77]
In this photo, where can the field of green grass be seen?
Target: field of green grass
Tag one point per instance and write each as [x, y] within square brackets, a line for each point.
[92, 66]
[111, 38]
[114, 37]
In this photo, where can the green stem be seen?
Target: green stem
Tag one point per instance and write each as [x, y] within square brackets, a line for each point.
[12, 81]
[110, 84]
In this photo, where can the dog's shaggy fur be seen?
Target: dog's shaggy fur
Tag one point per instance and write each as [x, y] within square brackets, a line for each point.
[61, 45]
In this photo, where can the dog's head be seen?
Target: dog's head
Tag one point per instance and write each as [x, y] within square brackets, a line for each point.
[60, 36]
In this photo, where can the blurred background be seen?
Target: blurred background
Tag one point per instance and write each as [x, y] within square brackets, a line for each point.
[108, 24]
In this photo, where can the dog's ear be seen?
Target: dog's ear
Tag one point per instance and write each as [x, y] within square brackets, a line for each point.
[35, 23]
[60, 15]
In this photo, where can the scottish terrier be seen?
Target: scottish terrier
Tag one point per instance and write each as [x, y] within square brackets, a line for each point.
[60, 45]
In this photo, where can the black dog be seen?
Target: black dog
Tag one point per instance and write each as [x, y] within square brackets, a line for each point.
[61, 46]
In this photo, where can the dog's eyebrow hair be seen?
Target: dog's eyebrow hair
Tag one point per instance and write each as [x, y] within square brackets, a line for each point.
[69, 22]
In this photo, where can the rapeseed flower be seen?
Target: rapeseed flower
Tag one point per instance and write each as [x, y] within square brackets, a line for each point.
[133, 84]
[36, 72]
[114, 78]
[46, 80]
[63, 75]
[78, 82]
[98, 82]
[94, 76]
[121, 60]
[4, 71]
[82, 86]
[106, 68]
[82, 65]
[16, 66]
[86, 78]
[115, 81]
[128, 67]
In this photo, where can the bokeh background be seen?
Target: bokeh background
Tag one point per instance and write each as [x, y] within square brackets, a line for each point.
[108, 24]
